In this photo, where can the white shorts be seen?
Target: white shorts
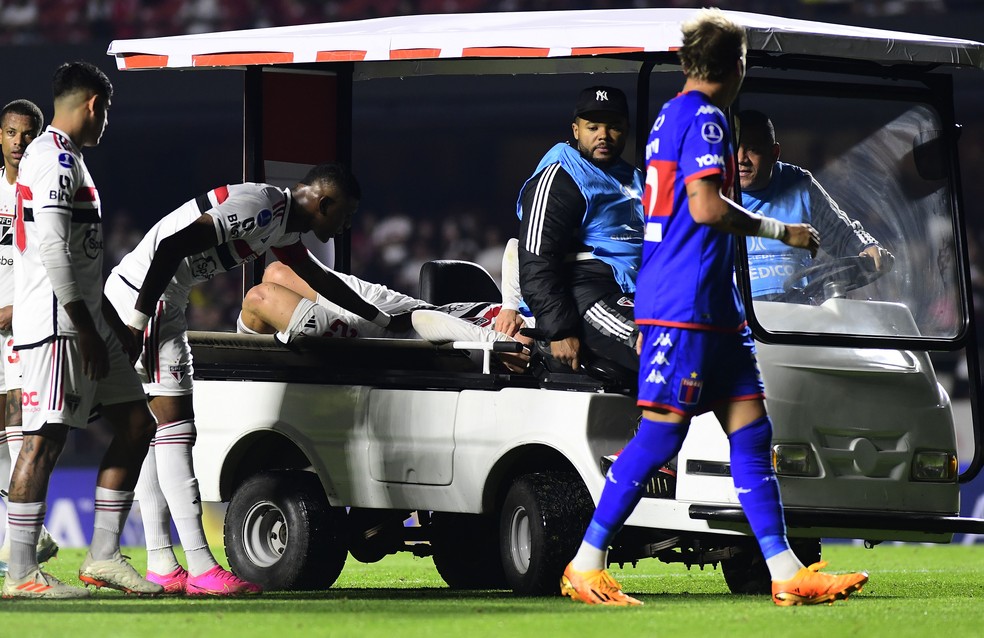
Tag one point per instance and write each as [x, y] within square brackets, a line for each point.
[10, 369]
[56, 391]
[165, 366]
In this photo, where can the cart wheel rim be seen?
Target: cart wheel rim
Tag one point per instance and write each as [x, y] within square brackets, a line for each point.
[520, 540]
[265, 533]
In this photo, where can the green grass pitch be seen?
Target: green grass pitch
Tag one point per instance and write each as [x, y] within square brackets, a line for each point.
[915, 590]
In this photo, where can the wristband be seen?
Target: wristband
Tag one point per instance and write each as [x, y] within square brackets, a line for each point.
[383, 319]
[138, 320]
[771, 228]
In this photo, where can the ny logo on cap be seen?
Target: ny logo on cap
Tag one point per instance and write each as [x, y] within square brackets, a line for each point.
[601, 96]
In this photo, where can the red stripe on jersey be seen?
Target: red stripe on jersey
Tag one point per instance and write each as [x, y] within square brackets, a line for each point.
[85, 194]
[57, 139]
[657, 198]
[291, 254]
[20, 234]
[221, 194]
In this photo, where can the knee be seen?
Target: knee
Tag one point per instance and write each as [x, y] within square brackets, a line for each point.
[277, 273]
[257, 297]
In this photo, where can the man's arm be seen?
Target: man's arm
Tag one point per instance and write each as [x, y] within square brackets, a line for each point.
[709, 206]
[6, 317]
[553, 210]
[509, 321]
[196, 237]
[843, 236]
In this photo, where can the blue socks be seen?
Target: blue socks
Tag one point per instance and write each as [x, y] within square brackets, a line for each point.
[755, 481]
[655, 443]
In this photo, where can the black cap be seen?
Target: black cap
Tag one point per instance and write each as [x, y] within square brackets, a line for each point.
[597, 99]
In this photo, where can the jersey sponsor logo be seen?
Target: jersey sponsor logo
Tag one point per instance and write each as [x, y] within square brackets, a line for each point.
[655, 376]
[239, 226]
[772, 270]
[707, 109]
[92, 244]
[6, 262]
[30, 400]
[712, 133]
[264, 217]
[652, 148]
[710, 160]
[689, 392]
[204, 267]
[66, 160]
[658, 124]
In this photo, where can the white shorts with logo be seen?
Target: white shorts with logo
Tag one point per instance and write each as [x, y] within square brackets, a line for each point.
[10, 369]
[56, 390]
[165, 366]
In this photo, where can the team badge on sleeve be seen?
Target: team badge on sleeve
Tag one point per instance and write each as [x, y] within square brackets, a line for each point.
[689, 393]
[66, 160]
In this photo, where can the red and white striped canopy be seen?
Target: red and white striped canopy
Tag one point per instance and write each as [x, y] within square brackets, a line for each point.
[541, 34]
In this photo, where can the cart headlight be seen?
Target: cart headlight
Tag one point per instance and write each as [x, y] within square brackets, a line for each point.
[931, 465]
[795, 460]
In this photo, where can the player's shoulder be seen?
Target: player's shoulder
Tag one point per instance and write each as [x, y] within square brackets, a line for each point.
[792, 173]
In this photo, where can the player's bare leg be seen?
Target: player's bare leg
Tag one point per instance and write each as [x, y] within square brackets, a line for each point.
[269, 306]
[282, 275]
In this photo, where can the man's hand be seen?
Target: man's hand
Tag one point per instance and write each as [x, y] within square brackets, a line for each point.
[95, 356]
[6, 317]
[802, 236]
[401, 322]
[508, 322]
[884, 260]
[566, 351]
[132, 340]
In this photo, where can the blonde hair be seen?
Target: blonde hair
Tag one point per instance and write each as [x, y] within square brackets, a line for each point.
[712, 43]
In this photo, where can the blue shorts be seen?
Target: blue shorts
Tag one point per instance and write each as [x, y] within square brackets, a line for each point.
[690, 372]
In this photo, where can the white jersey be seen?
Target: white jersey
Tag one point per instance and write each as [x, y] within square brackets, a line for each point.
[249, 219]
[8, 204]
[53, 180]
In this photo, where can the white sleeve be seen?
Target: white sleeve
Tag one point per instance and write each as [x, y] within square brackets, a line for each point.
[54, 230]
[511, 294]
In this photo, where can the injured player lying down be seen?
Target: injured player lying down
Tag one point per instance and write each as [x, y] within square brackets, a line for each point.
[284, 304]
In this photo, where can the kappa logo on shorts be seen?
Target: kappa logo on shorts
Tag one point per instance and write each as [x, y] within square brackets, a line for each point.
[178, 372]
[655, 376]
[663, 340]
[660, 358]
[626, 302]
[689, 393]
[73, 401]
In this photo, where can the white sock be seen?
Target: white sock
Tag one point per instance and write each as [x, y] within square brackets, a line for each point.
[589, 557]
[242, 328]
[783, 565]
[25, 526]
[156, 518]
[176, 474]
[112, 508]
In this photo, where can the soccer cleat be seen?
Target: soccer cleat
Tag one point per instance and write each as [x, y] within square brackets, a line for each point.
[220, 582]
[173, 583]
[594, 587]
[116, 573]
[810, 587]
[38, 584]
[47, 549]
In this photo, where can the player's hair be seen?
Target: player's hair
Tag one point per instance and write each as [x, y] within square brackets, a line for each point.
[336, 174]
[81, 76]
[26, 108]
[750, 119]
[712, 43]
